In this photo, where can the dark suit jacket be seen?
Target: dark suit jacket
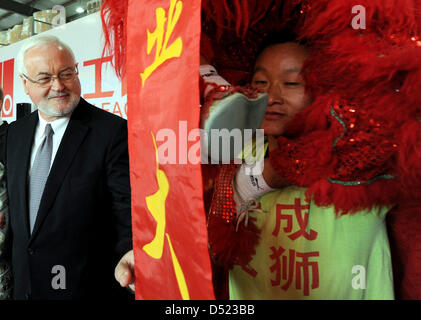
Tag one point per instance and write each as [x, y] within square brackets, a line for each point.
[84, 221]
[3, 132]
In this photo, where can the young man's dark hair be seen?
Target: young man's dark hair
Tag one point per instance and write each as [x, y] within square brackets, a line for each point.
[278, 37]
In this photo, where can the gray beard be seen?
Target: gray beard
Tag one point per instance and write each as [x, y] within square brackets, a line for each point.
[49, 111]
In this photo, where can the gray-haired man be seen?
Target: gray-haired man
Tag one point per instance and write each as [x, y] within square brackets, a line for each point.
[68, 184]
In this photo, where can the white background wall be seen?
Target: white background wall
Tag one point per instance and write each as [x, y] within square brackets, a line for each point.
[85, 38]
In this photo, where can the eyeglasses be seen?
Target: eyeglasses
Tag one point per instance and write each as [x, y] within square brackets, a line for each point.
[46, 80]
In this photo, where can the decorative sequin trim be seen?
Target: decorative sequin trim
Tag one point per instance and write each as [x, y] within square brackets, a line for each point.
[357, 183]
[333, 113]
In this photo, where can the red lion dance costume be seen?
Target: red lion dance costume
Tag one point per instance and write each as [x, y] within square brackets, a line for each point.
[359, 144]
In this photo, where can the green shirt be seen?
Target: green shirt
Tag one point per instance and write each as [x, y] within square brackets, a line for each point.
[307, 252]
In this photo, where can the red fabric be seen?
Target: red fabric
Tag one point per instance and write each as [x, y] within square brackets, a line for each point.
[169, 222]
[209, 174]
[219, 273]
[114, 26]
[404, 227]
[206, 48]
[227, 246]
[360, 149]
[238, 15]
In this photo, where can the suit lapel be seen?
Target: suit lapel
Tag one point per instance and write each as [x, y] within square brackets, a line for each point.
[72, 139]
[20, 161]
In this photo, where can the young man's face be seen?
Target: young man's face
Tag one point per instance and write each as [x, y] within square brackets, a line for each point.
[277, 72]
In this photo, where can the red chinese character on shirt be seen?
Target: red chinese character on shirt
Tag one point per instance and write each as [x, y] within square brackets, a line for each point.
[276, 254]
[289, 264]
[302, 269]
[251, 271]
[302, 221]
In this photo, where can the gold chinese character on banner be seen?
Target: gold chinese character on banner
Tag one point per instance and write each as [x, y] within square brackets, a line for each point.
[156, 206]
[161, 36]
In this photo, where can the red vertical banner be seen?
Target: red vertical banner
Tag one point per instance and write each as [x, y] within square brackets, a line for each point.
[169, 225]
[7, 75]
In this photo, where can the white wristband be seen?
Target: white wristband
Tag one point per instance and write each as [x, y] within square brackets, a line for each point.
[210, 75]
[250, 186]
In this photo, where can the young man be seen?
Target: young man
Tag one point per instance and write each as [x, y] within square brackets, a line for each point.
[292, 247]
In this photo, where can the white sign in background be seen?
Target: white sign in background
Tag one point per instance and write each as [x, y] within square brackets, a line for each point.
[100, 85]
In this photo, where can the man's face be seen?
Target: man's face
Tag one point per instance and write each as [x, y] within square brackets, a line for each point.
[277, 72]
[59, 98]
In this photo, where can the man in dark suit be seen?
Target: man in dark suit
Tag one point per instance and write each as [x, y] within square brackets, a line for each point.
[68, 183]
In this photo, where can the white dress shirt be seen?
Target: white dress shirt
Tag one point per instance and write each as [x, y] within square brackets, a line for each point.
[59, 127]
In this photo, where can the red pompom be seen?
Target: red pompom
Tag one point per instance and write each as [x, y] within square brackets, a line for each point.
[238, 15]
[404, 230]
[114, 26]
[229, 247]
